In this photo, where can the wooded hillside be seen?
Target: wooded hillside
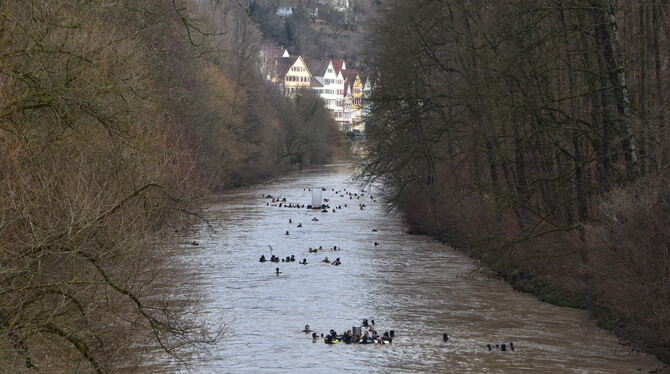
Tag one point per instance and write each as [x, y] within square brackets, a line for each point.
[116, 119]
[535, 133]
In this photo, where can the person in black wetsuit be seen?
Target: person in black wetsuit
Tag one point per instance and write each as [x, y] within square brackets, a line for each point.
[262, 259]
[347, 337]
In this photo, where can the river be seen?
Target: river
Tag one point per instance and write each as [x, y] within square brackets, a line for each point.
[411, 284]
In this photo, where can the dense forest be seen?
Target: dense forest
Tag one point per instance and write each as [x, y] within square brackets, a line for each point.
[116, 118]
[316, 29]
[534, 134]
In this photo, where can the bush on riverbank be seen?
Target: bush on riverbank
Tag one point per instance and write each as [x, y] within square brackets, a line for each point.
[535, 137]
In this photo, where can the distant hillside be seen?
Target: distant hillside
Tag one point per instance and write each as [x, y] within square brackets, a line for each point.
[315, 28]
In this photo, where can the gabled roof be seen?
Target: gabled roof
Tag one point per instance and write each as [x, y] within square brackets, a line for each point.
[338, 64]
[275, 53]
[349, 79]
[284, 65]
[315, 83]
[317, 67]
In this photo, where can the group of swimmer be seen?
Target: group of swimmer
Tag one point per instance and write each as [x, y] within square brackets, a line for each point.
[370, 336]
[502, 347]
[283, 202]
[274, 258]
[291, 258]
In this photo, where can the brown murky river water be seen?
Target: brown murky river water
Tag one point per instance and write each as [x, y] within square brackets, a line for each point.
[412, 284]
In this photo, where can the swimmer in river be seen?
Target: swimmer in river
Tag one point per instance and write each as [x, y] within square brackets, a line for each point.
[511, 346]
[326, 260]
[392, 333]
[337, 262]
[289, 221]
[304, 261]
[315, 219]
[292, 258]
[277, 271]
[300, 225]
[314, 337]
[488, 346]
[262, 259]
[306, 329]
[286, 233]
[445, 337]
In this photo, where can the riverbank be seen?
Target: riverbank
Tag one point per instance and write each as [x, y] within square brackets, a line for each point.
[607, 269]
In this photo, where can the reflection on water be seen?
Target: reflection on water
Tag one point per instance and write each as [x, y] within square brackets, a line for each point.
[411, 284]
